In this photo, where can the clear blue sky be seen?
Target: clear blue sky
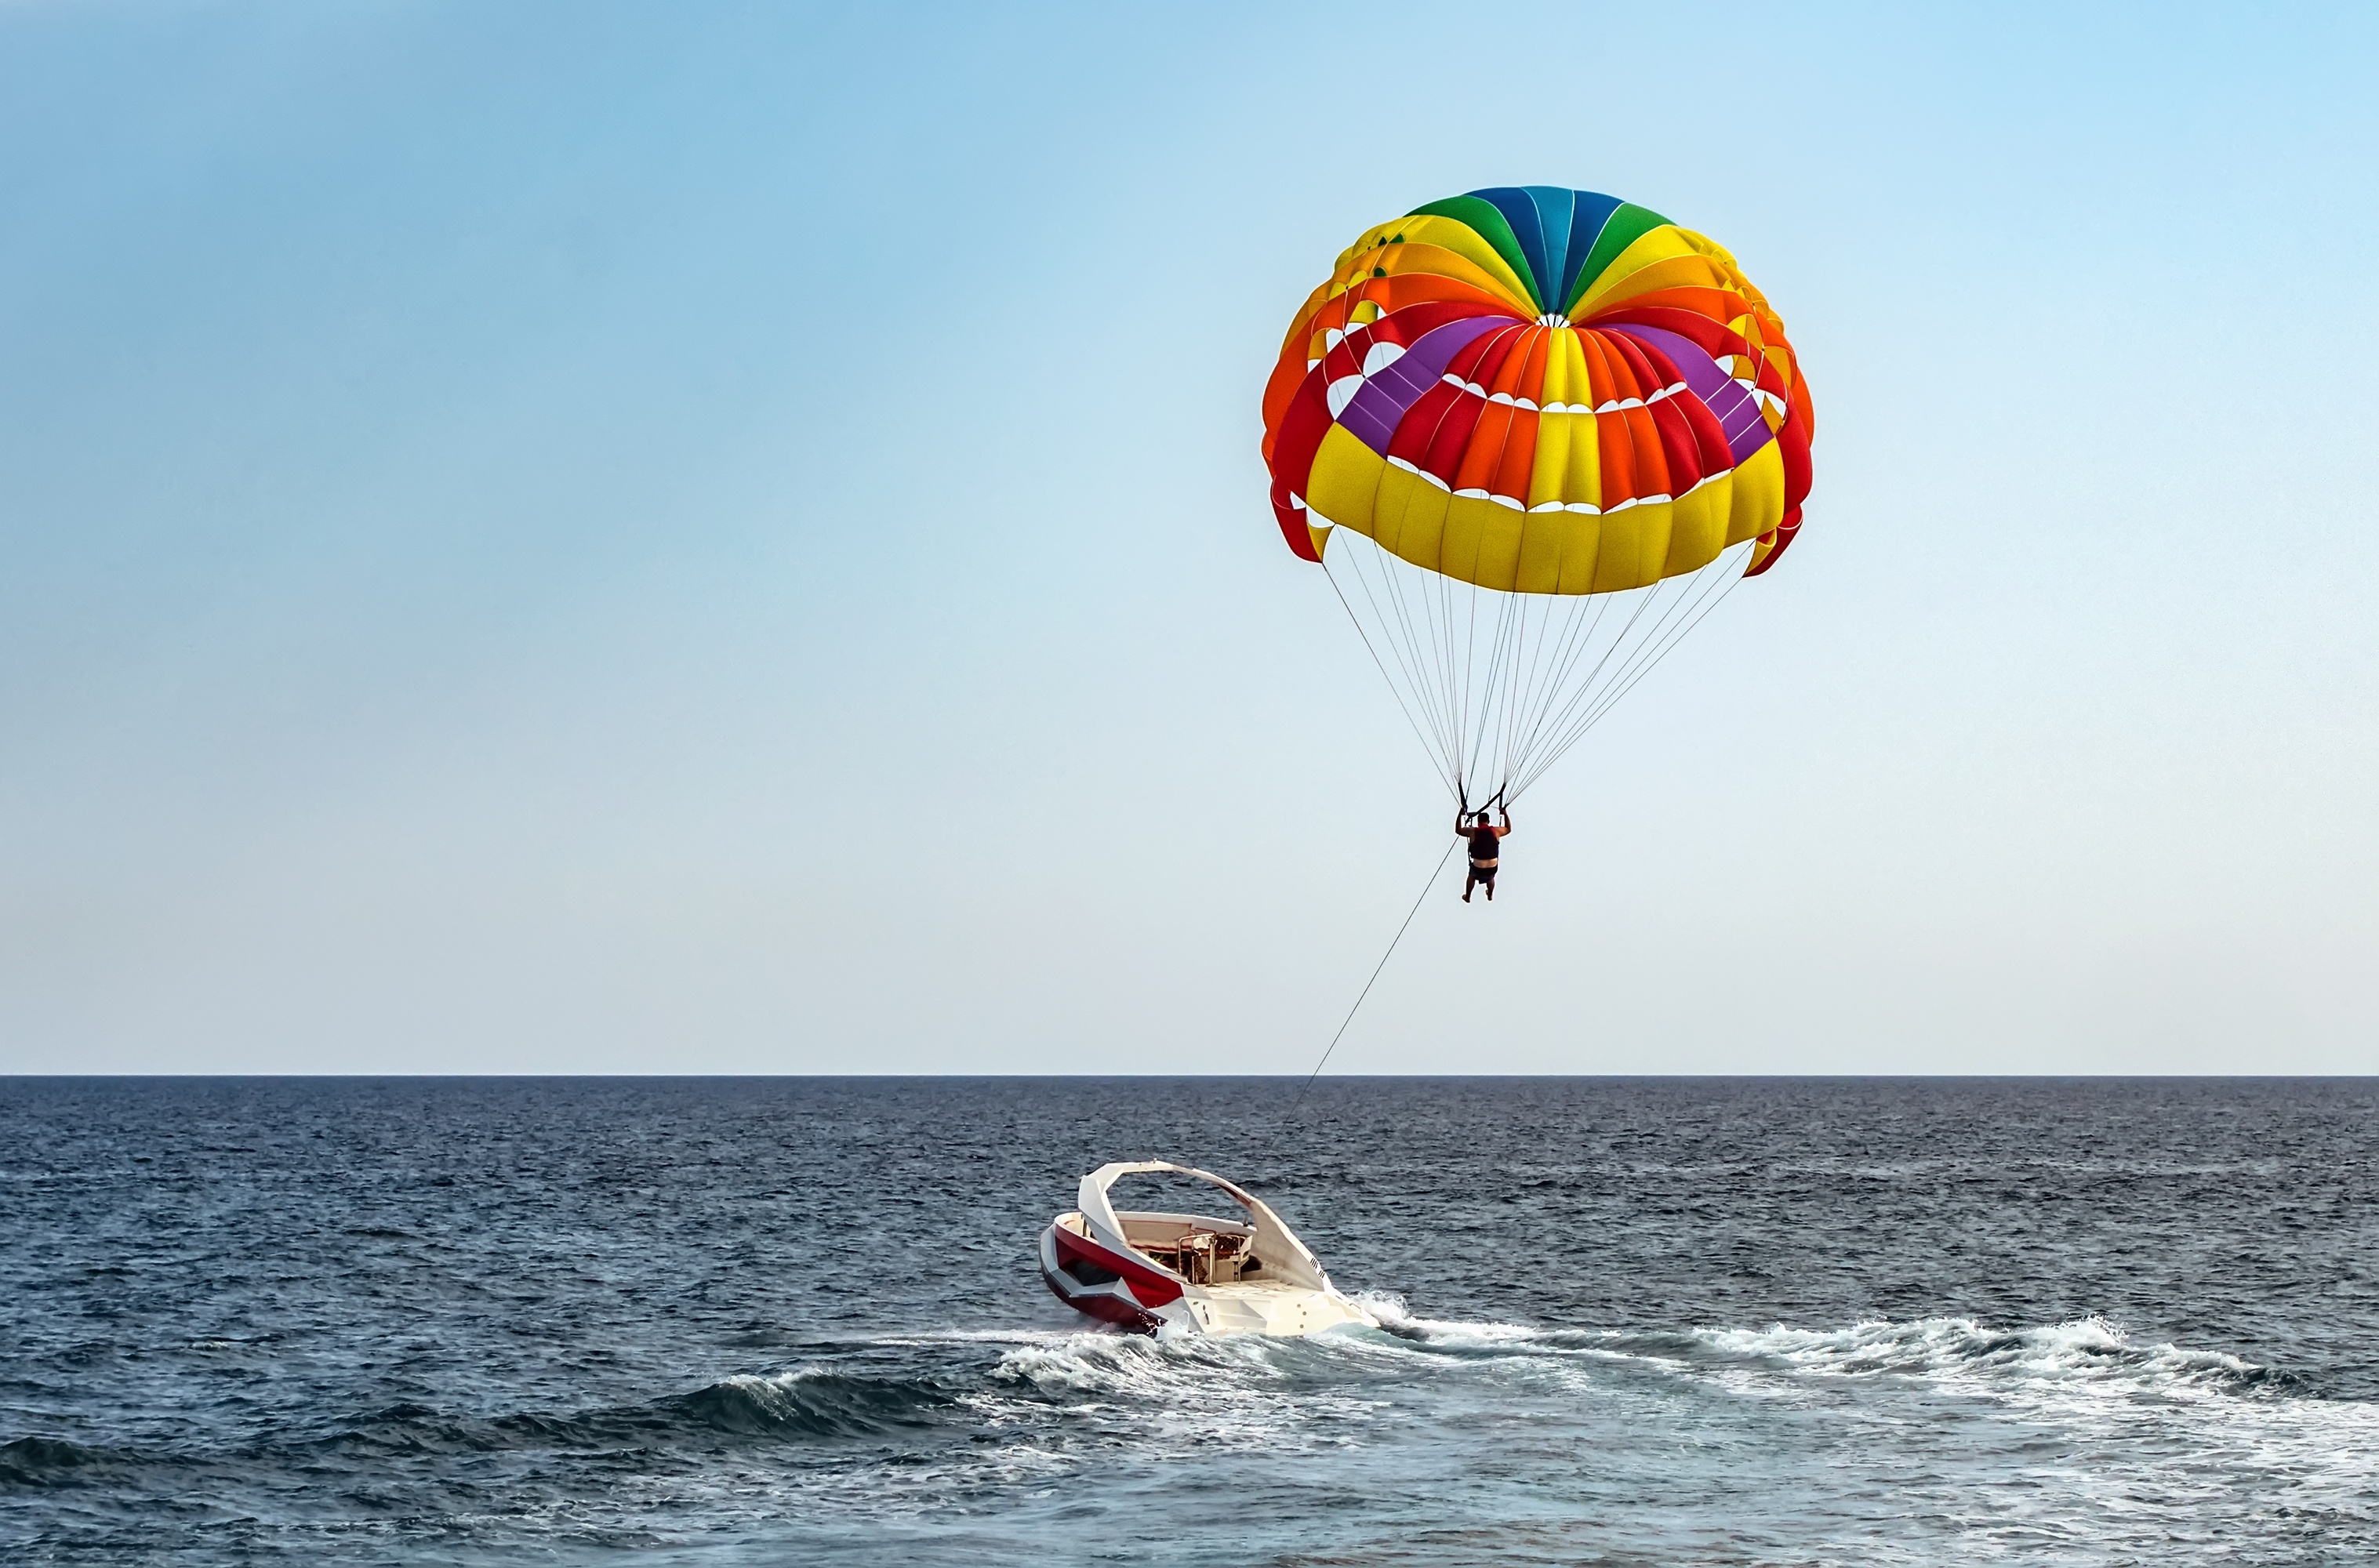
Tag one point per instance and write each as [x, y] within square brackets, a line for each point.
[604, 538]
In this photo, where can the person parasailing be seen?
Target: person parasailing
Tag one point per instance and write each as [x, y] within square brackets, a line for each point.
[1484, 838]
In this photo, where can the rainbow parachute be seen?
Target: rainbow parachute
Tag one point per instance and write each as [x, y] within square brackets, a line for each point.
[1529, 401]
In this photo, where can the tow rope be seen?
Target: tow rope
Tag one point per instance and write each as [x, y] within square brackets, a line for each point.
[1383, 964]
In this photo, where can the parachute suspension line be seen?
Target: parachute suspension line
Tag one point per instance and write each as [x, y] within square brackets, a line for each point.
[1511, 639]
[1398, 646]
[1415, 648]
[1521, 682]
[1450, 659]
[1466, 660]
[1587, 704]
[1556, 720]
[1562, 675]
[1543, 678]
[1581, 632]
[1511, 690]
[1497, 692]
[1622, 690]
[1685, 615]
[1383, 965]
[1431, 637]
[1490, 685]
[1393, 690]
[1420, 633]
[1641, 660]
[1452, 671]
[1509, 646]
[1437, 607]
[1471, 667]
[1579, 637]
[1425, 658]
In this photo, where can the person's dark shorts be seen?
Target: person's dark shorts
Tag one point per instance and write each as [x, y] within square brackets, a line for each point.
[1482, 872]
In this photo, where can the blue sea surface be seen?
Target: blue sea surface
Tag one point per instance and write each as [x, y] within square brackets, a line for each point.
[792, 1321]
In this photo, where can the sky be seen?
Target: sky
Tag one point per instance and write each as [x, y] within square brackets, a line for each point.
[556, 538]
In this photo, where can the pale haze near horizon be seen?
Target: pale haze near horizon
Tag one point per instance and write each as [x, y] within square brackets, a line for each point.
[538, 539]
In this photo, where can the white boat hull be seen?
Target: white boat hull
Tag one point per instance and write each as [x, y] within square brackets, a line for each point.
[1168, 1273]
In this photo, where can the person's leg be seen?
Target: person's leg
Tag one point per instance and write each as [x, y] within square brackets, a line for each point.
[1467, 883]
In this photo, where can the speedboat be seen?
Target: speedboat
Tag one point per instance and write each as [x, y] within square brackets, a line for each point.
[1189, 1273]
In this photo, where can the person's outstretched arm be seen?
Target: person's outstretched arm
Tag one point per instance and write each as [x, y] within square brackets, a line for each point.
[1507, 825]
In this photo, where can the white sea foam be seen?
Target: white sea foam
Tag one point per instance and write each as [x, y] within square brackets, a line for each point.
[2087, 1354]
[981, 1336]
[1133, 1365]
[2072, 1439]
[1398, 1318]
[1231, 1393]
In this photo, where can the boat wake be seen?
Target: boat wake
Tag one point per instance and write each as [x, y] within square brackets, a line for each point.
[1335, 1387]
[1989, 1440]
[1958, 1352]
[814, 1402]
[2001, 1439]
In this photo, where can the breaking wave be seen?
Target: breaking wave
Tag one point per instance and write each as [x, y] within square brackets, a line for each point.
[813, 1402]
[48, 1462]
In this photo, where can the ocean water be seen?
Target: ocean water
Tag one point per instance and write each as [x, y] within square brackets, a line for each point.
[798, 1320]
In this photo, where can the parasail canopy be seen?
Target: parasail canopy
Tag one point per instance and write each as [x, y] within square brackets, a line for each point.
[1560, 428]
